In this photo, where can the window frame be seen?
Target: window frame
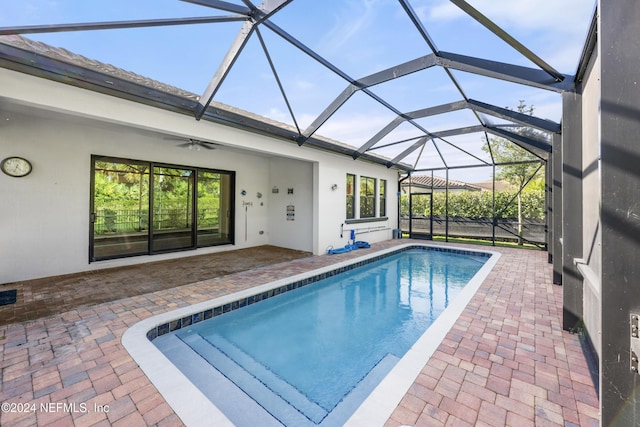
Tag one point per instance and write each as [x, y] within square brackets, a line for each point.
[368, 197]
[350, 202]
[193, 200]
[382, 197]
[379, 196]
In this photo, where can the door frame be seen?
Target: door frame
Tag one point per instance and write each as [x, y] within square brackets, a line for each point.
[415, 234]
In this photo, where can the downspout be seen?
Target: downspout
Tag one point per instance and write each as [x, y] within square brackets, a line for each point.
[400, 195]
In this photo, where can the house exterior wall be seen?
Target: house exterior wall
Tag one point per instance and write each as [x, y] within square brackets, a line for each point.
[45, 216]
[590, 266]
[47, 225]
[332, 204]
[294, 232]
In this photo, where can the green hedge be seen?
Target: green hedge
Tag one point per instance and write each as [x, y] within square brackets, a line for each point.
[477, 204]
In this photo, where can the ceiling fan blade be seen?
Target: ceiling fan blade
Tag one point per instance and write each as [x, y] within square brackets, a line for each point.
[192, 142]
[174, 138]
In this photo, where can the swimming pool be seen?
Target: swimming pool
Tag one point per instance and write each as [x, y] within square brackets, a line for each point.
[255, 362]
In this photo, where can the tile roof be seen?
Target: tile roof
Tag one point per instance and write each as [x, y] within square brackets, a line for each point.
[67, 56]
[222, 112]
[426, 181]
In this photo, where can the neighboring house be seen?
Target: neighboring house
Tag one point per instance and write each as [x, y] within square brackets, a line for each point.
[425, 183]
[501, 185]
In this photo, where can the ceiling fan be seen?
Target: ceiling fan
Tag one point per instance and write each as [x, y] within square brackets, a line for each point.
[195, 144]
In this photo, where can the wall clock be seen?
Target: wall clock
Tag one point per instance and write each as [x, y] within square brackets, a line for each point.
[16, 166]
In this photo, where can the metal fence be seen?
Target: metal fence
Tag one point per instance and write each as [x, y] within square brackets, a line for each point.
[533, 230]
[110, 221]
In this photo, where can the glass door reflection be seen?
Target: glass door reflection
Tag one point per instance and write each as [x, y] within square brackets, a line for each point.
[173, 226]
[120, 208]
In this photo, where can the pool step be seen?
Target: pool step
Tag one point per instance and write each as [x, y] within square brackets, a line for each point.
[278, 397]
[347, 406]
[196, 368]
[234, 403]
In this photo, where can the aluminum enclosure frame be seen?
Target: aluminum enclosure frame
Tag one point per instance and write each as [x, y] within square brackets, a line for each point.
[614, 33]
[255, 16]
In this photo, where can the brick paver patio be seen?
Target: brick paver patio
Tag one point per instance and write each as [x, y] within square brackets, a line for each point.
[506, 361]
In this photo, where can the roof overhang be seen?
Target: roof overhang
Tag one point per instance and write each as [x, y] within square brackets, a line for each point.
[162, 96]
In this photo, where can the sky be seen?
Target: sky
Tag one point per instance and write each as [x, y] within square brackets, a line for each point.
[360, 37]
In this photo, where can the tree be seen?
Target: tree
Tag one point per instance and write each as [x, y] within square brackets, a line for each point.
[517, 165]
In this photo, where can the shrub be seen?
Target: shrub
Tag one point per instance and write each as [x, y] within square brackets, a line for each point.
[478, 204]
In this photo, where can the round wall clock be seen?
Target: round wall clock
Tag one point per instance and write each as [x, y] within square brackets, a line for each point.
[16, 166]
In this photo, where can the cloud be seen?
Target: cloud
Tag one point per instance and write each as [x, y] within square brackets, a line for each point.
[278, 114]
[547, 105]
[565, 57]
[567, 16]
[303, 84]
[354, 129]
[558, 28]
[444, 11]
[29, 12]
[357, 16]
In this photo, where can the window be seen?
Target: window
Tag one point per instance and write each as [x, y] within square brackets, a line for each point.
[141, 208]
[351, 196]
[369, 201]
[383, 197]
[367, 197]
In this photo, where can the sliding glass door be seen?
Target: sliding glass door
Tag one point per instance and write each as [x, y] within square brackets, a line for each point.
[120, 211]
[172, 209]
[214, 207]
[141, 208]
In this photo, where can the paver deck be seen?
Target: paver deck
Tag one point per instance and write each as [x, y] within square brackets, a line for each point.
[506, 361]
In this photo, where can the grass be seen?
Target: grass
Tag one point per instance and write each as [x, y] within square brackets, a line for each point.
[483, 242]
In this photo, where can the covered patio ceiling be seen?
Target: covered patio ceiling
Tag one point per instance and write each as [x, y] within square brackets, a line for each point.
[412, 84]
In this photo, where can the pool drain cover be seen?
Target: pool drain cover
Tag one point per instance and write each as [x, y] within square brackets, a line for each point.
[8, 297]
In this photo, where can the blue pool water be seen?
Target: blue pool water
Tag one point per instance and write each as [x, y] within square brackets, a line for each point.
[311, 355]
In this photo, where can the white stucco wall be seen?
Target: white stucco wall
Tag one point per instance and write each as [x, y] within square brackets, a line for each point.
[47, 222]
[295, 232]
[332, 204]
[44, 217]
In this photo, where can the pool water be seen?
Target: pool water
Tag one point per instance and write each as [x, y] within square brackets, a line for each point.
[310, 356]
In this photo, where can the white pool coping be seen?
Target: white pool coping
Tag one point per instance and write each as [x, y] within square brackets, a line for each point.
[195, 409]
